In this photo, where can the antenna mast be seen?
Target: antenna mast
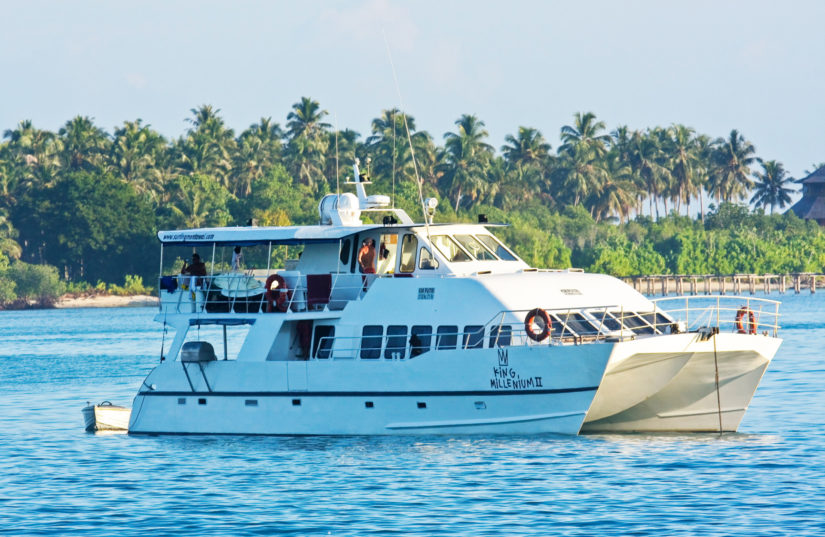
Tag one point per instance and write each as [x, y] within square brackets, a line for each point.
[409, 137]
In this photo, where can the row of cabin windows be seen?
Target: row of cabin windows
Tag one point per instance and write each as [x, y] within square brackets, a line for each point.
[422, 339]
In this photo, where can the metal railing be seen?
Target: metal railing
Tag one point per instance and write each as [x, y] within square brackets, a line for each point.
[245, 292]
[727, 313]
[569, 326]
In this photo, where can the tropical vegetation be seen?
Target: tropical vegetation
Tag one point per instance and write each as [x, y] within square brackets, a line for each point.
[83, 204]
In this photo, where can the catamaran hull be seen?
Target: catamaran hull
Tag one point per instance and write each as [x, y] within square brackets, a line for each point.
[524, 390]
[670, 398]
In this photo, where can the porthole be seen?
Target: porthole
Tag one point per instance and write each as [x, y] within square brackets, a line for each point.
[368, 404]
[296, 402]
[202, 401]
[422, 404]
[251, 402]
[181, 400]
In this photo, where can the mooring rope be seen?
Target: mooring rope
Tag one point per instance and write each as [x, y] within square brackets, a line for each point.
[716, 366]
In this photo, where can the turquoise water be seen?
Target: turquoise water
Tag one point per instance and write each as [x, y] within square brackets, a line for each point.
[55, 479]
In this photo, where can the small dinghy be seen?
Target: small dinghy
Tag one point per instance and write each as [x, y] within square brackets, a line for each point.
[106, 417]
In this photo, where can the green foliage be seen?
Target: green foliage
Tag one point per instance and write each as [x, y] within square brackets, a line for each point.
[40, 283]
[7, 284]
[91, 203]
[133, 285]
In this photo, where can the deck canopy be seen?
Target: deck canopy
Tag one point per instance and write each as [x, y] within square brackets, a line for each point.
[249, 236]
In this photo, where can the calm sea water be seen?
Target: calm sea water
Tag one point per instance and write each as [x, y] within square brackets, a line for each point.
[56, 479]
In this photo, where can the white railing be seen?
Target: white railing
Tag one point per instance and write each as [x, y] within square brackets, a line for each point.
[727, 313]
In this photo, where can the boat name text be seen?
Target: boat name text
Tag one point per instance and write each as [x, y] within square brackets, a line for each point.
[507, 378]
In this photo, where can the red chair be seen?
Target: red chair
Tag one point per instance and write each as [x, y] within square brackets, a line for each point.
[319, 288]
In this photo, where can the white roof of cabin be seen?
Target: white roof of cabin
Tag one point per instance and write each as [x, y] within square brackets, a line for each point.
[261, 235]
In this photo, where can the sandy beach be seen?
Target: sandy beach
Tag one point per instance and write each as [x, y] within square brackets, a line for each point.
[106, 301]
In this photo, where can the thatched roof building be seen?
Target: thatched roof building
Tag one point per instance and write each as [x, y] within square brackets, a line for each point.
[812, 204]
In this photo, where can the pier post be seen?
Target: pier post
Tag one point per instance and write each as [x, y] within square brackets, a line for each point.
[737, 285]
[813, 284]
[649, 285]
[722, 283]
[752, 284]
[796, 284]
[664, 285]
[693, 285]
[679, 286]
[707, 284]
[782, 284]
[767, 284]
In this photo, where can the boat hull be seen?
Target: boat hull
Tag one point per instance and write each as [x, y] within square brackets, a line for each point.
[679, 392]
[520, 390]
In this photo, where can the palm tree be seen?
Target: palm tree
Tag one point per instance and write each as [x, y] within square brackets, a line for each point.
[135, 152]
[208, 146]
[645, 156]
[586, 134]
[258, 149]
[682, 161]
[466, 156]
[770, 185]
[33, 157]
[580, 173]
[308, 141]
[732, 159]
[617, 194]
[83, 145]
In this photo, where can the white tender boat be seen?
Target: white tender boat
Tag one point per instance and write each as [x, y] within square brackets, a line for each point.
[105, 417]
[451, 334]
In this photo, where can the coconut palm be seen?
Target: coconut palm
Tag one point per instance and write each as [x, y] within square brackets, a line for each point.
[135, 152]
[587, 134]
[731, 173]
[208, 146]
[83, 145]
[770, 185]
[258, 149]
[681, 162]
[308, 141]
[617, 193]
[466, 156]
[579, 173]
[645, 158]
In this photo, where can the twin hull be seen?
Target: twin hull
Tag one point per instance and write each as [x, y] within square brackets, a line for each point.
[516, 390]
[649, 388]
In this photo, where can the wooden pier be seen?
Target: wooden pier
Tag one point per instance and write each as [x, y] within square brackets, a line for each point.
[737, 284]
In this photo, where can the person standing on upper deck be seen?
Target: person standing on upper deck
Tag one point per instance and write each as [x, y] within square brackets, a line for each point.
[366, 256]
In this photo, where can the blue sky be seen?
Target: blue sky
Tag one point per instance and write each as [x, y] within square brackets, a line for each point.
[757, 66]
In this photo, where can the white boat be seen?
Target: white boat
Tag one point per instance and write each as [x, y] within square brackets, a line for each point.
[452, 334]
[105, 417]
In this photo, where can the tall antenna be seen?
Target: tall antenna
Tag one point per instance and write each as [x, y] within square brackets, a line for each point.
[409, 137]
[337, 186]
[393, 159]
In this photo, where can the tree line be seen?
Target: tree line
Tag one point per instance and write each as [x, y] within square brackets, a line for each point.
[88, 202]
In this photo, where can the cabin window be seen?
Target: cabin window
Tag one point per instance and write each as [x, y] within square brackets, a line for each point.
[322, 341]
[658, 320]
[496, 247]
[476, 249]
[450, 249]
[447, 337]
[608, 320]
[420, 338]
[634, 322]
[473, 337]
[371, 337]
[344, 253]
[408, 246]
[396, 342]
[426, 261]
[578, 324]
[386, 253]
[500, 336]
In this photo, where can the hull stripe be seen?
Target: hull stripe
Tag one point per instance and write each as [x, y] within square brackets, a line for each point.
[367, 393]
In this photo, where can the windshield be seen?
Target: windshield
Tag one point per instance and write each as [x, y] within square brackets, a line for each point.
[496, 247]
[449, 249]
[476, 249]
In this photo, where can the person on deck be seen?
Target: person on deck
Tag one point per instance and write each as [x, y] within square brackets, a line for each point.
[196, 268]
[366, 257]
[237, 258]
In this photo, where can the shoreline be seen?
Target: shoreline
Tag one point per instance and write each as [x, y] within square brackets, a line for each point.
[106, 301]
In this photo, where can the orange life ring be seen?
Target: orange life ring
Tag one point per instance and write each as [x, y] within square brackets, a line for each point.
[740, 321]
[537, 318]
[277, 297]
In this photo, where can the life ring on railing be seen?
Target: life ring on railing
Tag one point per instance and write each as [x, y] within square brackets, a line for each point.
[277, 297]
[537, 324]
[740, 321]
